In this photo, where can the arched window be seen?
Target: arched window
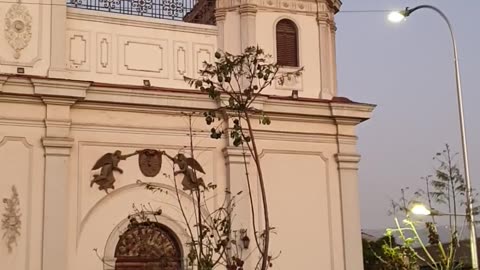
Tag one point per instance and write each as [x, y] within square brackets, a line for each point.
[287, 43]
[148, 246]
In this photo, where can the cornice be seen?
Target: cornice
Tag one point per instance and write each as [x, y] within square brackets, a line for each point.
[56, 87]
[351, 114]
[23, 99]
[172, 101]
[138, 21]
[335, 5]
[347, 161]
[248, 9]
[57, 146]
[324, 8]
[236, 155]
[3, 79]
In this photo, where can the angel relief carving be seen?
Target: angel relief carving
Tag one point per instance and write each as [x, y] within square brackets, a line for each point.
[188, 167]
[150, 162]
[107, 164]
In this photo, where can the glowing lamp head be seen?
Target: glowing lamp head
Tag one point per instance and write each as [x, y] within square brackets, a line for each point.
[396, 16]
[420, 209]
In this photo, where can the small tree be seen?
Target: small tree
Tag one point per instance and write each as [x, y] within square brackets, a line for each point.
[242, 79]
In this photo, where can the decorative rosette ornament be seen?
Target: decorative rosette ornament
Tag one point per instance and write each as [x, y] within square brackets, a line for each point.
[18, 28]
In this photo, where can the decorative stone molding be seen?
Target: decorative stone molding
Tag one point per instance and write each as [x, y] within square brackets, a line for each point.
[3, 80]
[54, 87]
[347, 161]
[18, 28]
[236, 155]
[11, 222]
[248, 9]
[141, 22]
[55, 146]
[220, 15]
[297, 6]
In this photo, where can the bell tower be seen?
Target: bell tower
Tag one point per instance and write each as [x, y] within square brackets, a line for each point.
[297, 33]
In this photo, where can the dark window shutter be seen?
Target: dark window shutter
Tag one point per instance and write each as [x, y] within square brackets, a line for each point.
[287, 43]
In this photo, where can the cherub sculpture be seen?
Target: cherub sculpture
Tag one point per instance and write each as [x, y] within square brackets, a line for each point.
[108, 163]
[188, 167]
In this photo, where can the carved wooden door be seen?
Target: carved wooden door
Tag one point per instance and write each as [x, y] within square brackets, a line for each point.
[148, 246]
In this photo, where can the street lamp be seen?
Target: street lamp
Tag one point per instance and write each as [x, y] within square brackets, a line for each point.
[420, 209]
[398, 16]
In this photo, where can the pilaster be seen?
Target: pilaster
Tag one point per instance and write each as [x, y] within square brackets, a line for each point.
[248, 13]
[325, 21]
[58, 38]
[55, 213]
[333, 57]
[236, 161]
[220, 16]
[348, 180]
[58, 97]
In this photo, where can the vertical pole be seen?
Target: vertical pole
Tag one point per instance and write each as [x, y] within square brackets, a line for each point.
[470, 216]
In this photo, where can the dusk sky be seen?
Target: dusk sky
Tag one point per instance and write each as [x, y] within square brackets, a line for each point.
[407, 70]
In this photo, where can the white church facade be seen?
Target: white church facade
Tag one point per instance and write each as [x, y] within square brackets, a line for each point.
[86, 78]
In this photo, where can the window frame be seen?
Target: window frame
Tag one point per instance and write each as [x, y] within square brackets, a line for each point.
[297, 42]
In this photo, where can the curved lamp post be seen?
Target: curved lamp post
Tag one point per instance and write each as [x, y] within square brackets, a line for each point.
[398, 16]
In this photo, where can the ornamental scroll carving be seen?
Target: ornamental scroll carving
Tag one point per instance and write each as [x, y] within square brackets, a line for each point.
[11, 222]
[18, 28]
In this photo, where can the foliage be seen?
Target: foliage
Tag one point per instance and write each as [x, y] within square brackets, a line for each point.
[444, 191]
[235, 82]
[371, 249]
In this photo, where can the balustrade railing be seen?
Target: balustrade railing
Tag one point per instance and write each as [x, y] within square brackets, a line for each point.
[162, 9]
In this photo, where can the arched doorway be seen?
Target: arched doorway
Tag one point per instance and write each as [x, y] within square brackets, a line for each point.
[148, 246]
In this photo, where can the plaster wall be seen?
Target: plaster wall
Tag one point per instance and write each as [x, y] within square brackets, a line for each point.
[61, 212]
[123, 49]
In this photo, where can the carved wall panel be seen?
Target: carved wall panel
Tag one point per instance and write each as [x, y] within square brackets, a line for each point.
[16, 165]
[104, 53]
[202, 53]
[21, 42]
[143, 57]
[302, 175]
[11, 220]
[18, 28]
[181, 57]
[290, 83]
[78, 50]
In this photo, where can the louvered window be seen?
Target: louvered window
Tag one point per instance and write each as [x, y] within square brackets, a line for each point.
[287, 43]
